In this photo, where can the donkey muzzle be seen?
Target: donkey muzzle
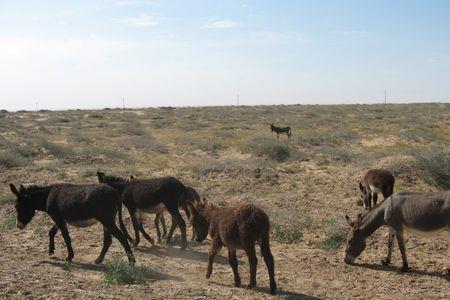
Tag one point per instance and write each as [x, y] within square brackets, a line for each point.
[20, 225]
[348, 259]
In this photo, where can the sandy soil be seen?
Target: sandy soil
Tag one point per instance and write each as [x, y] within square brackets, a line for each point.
[302, 272]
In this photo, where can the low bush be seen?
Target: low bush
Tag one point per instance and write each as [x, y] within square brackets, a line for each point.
[268, 147]
[434, 164]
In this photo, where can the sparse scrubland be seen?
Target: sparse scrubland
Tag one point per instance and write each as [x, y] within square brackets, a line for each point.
[306, 184]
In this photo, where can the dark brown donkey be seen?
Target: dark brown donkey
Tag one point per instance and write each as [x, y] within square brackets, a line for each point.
[78, 205]
[425, 213]
[143, 196]
[374, 182]
[279, 130]
[235, 227]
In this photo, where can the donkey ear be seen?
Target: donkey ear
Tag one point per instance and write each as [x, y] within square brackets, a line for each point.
[132, 177]
[205, 200]
[101, 176]
[359, 219]
[361, 187]
[21, 188]
[13, 189]
[191, 208]
[350, 223]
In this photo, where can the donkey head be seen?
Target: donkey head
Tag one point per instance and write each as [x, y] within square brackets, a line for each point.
[198, 220]
[366, 196]
[356, 242]
[24, 206]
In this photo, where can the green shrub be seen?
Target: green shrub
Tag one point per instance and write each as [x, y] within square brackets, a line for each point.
[268, 147]
[435, 165]
[286, 234]
[56, 149]
[12, 159]
[335, 235]
[118, 271]
[8, 223]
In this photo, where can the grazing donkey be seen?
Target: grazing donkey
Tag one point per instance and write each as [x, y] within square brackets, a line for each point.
[425, 213]
[375, 181]
[78, 205]
[279, 130]
[235, 227]
[150, 196]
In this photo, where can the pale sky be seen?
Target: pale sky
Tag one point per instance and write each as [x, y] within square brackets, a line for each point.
[90, 54]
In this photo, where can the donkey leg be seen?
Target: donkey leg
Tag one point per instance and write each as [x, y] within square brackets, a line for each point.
[158, 231]
[112, 228]
[215, 248]
[51, 234]
[135, 222]
[268, 259]
[172, 228]
[107, 240]
[144, 233]
[122, 225]
[163, 224]
[253, 261]
[178, 220]
[391, 235]
[401, 245]
[234, 265]
[67, 240]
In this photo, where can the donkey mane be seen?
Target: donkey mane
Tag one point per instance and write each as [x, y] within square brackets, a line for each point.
[113, 178]
[37, 189]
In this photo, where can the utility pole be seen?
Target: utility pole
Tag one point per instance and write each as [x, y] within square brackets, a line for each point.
[123, 103]
[37, 108]
[385, 96]
[237, 98]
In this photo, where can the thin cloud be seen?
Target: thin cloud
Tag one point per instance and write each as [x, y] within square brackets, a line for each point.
[351, 33]
[130, 2]
[222, 24]
[141, 21]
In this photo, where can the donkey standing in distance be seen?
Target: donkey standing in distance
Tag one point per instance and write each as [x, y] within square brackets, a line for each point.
[375, 181]
[143, 196]
[425, 213]
[235, 227]
[78, 205]
[279, 130]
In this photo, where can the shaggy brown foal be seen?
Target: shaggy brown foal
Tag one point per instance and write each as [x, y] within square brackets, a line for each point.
[374, 182]
[235, 227]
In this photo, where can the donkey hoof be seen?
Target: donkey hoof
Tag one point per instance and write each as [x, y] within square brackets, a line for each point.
[69, 259]
[404, 268]
[98, 261]
[252, 285]
[446, 271]
[385, 262]
[51, 252]
[237, 283]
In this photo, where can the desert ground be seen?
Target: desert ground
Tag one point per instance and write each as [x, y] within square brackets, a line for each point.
[306, 184]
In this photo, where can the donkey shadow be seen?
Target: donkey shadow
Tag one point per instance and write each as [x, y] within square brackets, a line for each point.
[155, 275]
[279, 293]
[190, 254]
[380, 267]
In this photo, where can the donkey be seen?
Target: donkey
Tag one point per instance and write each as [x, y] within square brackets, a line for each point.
[78, 205]
[235, 227]
[279, 130]
[149, 196]
[425, 213]
[375, 181]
